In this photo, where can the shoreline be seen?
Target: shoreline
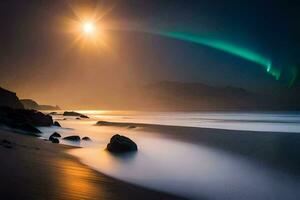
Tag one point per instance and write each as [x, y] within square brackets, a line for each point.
[36, 169]
[276, 149]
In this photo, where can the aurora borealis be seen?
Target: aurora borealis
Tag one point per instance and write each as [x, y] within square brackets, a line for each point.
[228, 48]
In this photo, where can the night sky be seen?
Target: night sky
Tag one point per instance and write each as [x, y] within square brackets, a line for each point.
[40, 60]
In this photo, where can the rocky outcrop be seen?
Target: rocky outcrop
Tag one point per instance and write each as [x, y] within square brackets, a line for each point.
[9, 99]
[25, 120]
[74, 138]
[119, 144]
[74, 114]
[31, 104]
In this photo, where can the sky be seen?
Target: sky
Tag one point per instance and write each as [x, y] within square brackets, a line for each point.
[42, 58]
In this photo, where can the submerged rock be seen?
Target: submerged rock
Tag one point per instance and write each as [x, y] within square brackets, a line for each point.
[55, 134]
[74, 138]
[86, 138]
[119, 144]
[56, 124]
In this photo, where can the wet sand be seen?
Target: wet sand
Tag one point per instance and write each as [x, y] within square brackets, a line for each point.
[36, 169]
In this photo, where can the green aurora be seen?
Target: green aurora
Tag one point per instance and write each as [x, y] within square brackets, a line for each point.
[228, 48]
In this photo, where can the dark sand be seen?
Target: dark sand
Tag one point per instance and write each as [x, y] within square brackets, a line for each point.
[36, 169]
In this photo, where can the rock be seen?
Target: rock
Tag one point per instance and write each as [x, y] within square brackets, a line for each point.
[10, 99]
[53, 113]
[55, 134]
[119, 144]
[74, 138]
[74, 114]
[13, 117]
[54, 140]
[26, 127]
[131, 126]
[103, 123]
[78, 118]
[31, 104]
[86, 138]
[56, 124]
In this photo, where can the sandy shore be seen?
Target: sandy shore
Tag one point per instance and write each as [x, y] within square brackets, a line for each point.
[35, 169]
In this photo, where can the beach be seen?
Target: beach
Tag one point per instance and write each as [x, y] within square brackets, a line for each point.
[172, 161]
[32, 168]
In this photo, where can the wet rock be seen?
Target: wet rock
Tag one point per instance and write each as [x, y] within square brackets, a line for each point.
[13, 117]
[56, 124]
[55, 134]
[86, 138]
[74, 138]
[119, 144]
[54, 140]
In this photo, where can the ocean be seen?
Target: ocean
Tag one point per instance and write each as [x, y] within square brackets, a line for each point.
[188, 169]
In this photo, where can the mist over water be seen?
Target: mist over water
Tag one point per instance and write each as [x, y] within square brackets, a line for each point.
[193, 170]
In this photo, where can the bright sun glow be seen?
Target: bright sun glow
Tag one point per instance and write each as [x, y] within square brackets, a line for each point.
[88, 27]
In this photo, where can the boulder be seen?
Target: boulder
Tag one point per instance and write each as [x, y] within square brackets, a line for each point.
[55, 134]
[119, 144]
[54, 140]
[56, 124]
[86, 138]
[74, 138]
